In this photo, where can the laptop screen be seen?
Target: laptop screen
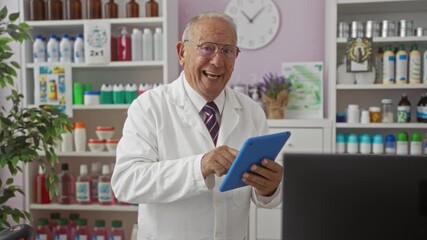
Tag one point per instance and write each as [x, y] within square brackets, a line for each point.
[336, 197]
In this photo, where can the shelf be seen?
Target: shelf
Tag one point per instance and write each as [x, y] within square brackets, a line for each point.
[383, 125]
[380, 86]
[150, 22]
[89, 207]
[390, 39]
[380, 6]
[121, 65]
[83, 154]
[101, 106]
[306, 123]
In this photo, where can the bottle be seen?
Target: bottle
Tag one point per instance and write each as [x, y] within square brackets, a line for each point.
[387, 109]
[340, 143]
[389, 61]
[117, 232]
[402, 145]
[404, 109]
[158, 44]
[83, 186]
[422, 109]
[151, 9]
[94, 9]
[416, 144]
[105, 194]
[79, 49]
[72, 41]
[377, 144]
[99, 231]
[124, 46]
[375, 114]
[113, 47]
[353, 113]
[54, 10]
[132, 9]
[365, 144]
[136, 45]
[425, 66]
[62, 231]
[42, 194]
[67, 186]
[67, 141]
[379, 65]
[80, 137]
[37, 10]
[94, 179]
[364, 117]
[39, 50]
[106, 95]
[73, 9]
[402, 65]
[111, 9]
[65, 49]
[52, 49]
[54, 221]
[147, 45]
[82, 232]
[72, 224]
[352, 144]
[414, 65]
[43, 232]
[390, 144]
[131, 92]
[118, 94]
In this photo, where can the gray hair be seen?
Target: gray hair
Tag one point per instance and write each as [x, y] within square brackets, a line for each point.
[188, 31]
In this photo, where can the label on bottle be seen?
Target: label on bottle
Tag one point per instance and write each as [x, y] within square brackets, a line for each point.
[41, 236]
[104, 192]
[98, 237]
[80, 237]
[116, 237]
[61, 237]
[422, 113]
[82, 192]
[388, 69]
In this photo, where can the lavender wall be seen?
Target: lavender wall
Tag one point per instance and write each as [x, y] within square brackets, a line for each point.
[300, 38]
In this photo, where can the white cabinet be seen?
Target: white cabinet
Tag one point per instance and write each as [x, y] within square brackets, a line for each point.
[340, 96]
[306, 136]
[136, 72]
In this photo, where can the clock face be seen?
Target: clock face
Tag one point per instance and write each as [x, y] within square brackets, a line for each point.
[257, 22]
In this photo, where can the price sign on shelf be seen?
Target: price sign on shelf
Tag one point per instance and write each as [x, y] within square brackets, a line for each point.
[97, 36]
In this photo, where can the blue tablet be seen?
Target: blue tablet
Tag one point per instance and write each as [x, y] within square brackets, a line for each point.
[253, 151]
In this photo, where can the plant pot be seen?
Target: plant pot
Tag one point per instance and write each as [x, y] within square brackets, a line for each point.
[275, 107]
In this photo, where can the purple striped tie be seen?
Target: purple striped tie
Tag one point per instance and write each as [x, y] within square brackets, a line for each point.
[211, 122]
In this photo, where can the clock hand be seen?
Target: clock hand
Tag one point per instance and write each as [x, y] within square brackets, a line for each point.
[256, 14]
[246, 16]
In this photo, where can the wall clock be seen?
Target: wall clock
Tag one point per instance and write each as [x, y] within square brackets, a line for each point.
[257, 22]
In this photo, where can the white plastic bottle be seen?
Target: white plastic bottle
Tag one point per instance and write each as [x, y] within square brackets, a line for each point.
[52, 49]
[425, 67]
[414, 65]
[147, 45]
[79, 49]
[72, 41]
[67, 142]
[401, 66]
[65, 49]
[136, 44]
[80, 137]
[389, 62]
[158, 45]
[39, 50]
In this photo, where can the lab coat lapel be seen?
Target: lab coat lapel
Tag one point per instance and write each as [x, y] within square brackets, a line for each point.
[230, 116]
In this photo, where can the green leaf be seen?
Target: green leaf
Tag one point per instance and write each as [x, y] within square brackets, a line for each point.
[9, 181]
[3, 13]
[13, 16]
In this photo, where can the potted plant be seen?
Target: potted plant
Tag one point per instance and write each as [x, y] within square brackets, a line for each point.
[274, 92]
[24, 132]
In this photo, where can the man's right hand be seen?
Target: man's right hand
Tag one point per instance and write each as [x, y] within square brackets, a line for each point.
[218, 161]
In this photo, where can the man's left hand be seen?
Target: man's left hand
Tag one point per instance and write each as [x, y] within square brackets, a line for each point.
[265, 178]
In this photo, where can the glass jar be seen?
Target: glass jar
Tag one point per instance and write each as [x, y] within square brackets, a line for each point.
[375, 114]
[387, 111]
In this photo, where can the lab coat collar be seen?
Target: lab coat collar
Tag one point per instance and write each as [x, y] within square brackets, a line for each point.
[230, 117]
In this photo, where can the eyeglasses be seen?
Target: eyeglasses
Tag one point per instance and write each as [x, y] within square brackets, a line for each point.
[208, 49]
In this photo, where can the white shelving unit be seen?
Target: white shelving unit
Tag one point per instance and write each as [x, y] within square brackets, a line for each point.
[370, 95]
[99, 115]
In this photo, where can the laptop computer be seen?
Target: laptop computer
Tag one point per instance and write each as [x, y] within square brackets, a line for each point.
[336, 197]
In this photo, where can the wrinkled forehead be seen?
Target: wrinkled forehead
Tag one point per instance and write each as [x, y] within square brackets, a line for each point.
[213, 30]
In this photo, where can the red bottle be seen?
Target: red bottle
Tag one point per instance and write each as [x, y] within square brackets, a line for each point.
[124, 46]
[67, 187]
[105, 193]
[82, 232]
[72, 223]
[113, 48]
[62, 231]
[100, 232]
[117, 232]
[42, 194]
[43, 231]
[94, 177]
[54, 220]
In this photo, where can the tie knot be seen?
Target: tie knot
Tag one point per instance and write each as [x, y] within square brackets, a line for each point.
[210, 108]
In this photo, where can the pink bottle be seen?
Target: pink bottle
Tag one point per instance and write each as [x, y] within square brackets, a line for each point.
[72, 223]
[117, 232]
[94, 178]
[67, 187]
[100, 232]
[42, 194]
[82, 232]
[124, 46]
[105, 194]
[62, 231]
[43, 232]
[83, 186]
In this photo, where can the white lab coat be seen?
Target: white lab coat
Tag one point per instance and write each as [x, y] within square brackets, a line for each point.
[158, 166]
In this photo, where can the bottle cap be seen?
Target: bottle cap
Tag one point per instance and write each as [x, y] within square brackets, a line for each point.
[64, 167]
[365, 138]
[390, 138]
[377, 138]
[55, 216]
[79, 125]
[374, 109]
[116, 224]
[147, 31]
[416, 137]
[95, 166]
[92, 92]
[386, 101]
[158, 30]
[99, 223]
[42, 221]
[352, 138]
[64, 35]
[402, 137]
[105, 169]
[62, 222]
[353, 107]
[79, 35]
[82, 222]
[83, 172]
[340, 138]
